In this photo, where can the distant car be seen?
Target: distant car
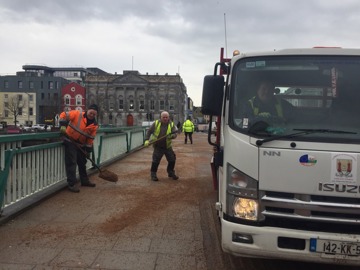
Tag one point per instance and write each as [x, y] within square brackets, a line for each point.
[38, 127]
[147, 123]
[27, 128]
[12, 129]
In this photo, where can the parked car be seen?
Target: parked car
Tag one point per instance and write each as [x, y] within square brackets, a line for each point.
[12, 129]
[147, 123]
[38, 127]
[27, 128]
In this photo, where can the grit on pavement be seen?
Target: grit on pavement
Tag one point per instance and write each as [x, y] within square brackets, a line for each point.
[135, 223]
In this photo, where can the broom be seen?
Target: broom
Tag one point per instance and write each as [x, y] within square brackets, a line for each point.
[161, 138]
[103, 173]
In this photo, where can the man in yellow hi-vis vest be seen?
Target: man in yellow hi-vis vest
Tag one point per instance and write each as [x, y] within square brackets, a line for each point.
[188, 128]
[265, 104]
[162, 132]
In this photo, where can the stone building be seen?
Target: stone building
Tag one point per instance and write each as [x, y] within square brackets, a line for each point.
[131, 98]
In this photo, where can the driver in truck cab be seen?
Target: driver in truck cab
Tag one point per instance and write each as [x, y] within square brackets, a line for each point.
[265, 104]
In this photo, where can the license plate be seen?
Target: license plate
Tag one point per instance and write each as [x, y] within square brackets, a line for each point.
[334, 247]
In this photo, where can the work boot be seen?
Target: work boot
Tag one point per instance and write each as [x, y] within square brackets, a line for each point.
[173, 175]
[154, 177]
[88, 184]
[74, 189]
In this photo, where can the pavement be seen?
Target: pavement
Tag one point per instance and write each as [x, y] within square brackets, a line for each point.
[135, 223]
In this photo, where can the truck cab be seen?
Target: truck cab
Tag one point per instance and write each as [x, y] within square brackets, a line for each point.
[287, 173]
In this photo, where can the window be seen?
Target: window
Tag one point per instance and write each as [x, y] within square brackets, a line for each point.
[20, 111]
[42, 96]
[31, 111]
[31, 85]
[152, 105]
[30, 97]
[131, 104]
[20, 84]
[162, 105]
[51, 85]
[67, 100]
[6, 84]
[171, 105]
[142, 105]
[111, 104]
[42, 85]
[6, 96]
[78, 99]
[121, 104]
[56, 85]
[20, 97]
[6, 113]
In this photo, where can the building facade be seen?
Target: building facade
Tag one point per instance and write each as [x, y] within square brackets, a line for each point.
[126, 99]
[73, 97]
[42, 87]
[17, 108]
[131, 98]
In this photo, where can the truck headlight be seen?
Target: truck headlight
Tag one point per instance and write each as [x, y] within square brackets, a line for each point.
[245, 208]
[242, 195]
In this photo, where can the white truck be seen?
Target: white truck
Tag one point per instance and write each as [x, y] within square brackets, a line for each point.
[288, 187]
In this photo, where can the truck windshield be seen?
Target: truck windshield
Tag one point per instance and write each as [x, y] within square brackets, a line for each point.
[274, 95]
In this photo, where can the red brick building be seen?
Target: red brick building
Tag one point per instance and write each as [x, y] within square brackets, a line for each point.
[73, 97]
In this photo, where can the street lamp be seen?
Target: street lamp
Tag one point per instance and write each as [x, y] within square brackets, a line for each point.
[28, 111]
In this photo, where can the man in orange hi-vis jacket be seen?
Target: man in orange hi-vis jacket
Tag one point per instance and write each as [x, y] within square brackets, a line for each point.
[79, 128]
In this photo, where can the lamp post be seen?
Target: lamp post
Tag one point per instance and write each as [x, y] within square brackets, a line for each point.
[110, 117]
[28, 111]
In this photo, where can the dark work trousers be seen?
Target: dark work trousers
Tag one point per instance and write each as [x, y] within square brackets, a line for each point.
[74, 157]
[190, 136]
[157, 156]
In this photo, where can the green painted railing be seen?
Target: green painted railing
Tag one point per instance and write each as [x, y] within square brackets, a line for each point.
[33, 164]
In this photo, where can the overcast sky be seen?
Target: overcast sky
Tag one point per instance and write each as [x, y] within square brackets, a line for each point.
[166, 36]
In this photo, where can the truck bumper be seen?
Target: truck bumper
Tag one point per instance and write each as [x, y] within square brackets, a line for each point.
[266, 244]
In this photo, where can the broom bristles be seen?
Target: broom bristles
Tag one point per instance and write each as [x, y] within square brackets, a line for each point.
[109, 176]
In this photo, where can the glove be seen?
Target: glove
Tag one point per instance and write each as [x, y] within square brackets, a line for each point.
[170, 136]
[146, 143]
[63, 130]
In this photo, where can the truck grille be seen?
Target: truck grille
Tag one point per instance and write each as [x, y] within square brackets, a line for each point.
[320, 213]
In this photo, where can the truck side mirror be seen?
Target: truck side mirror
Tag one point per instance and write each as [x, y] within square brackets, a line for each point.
[212, 96]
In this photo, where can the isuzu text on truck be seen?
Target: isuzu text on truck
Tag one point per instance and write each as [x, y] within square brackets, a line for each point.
[288, 185]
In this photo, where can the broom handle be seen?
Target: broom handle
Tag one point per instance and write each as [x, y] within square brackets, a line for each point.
[163, 137]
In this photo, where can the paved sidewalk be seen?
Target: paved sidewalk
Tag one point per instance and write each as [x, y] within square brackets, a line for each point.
[132, 224]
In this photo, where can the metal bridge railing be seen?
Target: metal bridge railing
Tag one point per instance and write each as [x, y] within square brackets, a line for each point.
[33, 165]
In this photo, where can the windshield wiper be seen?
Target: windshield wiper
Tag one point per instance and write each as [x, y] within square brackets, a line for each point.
[303, 131]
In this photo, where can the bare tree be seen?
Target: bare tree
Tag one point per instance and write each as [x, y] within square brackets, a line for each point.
[15, 105]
